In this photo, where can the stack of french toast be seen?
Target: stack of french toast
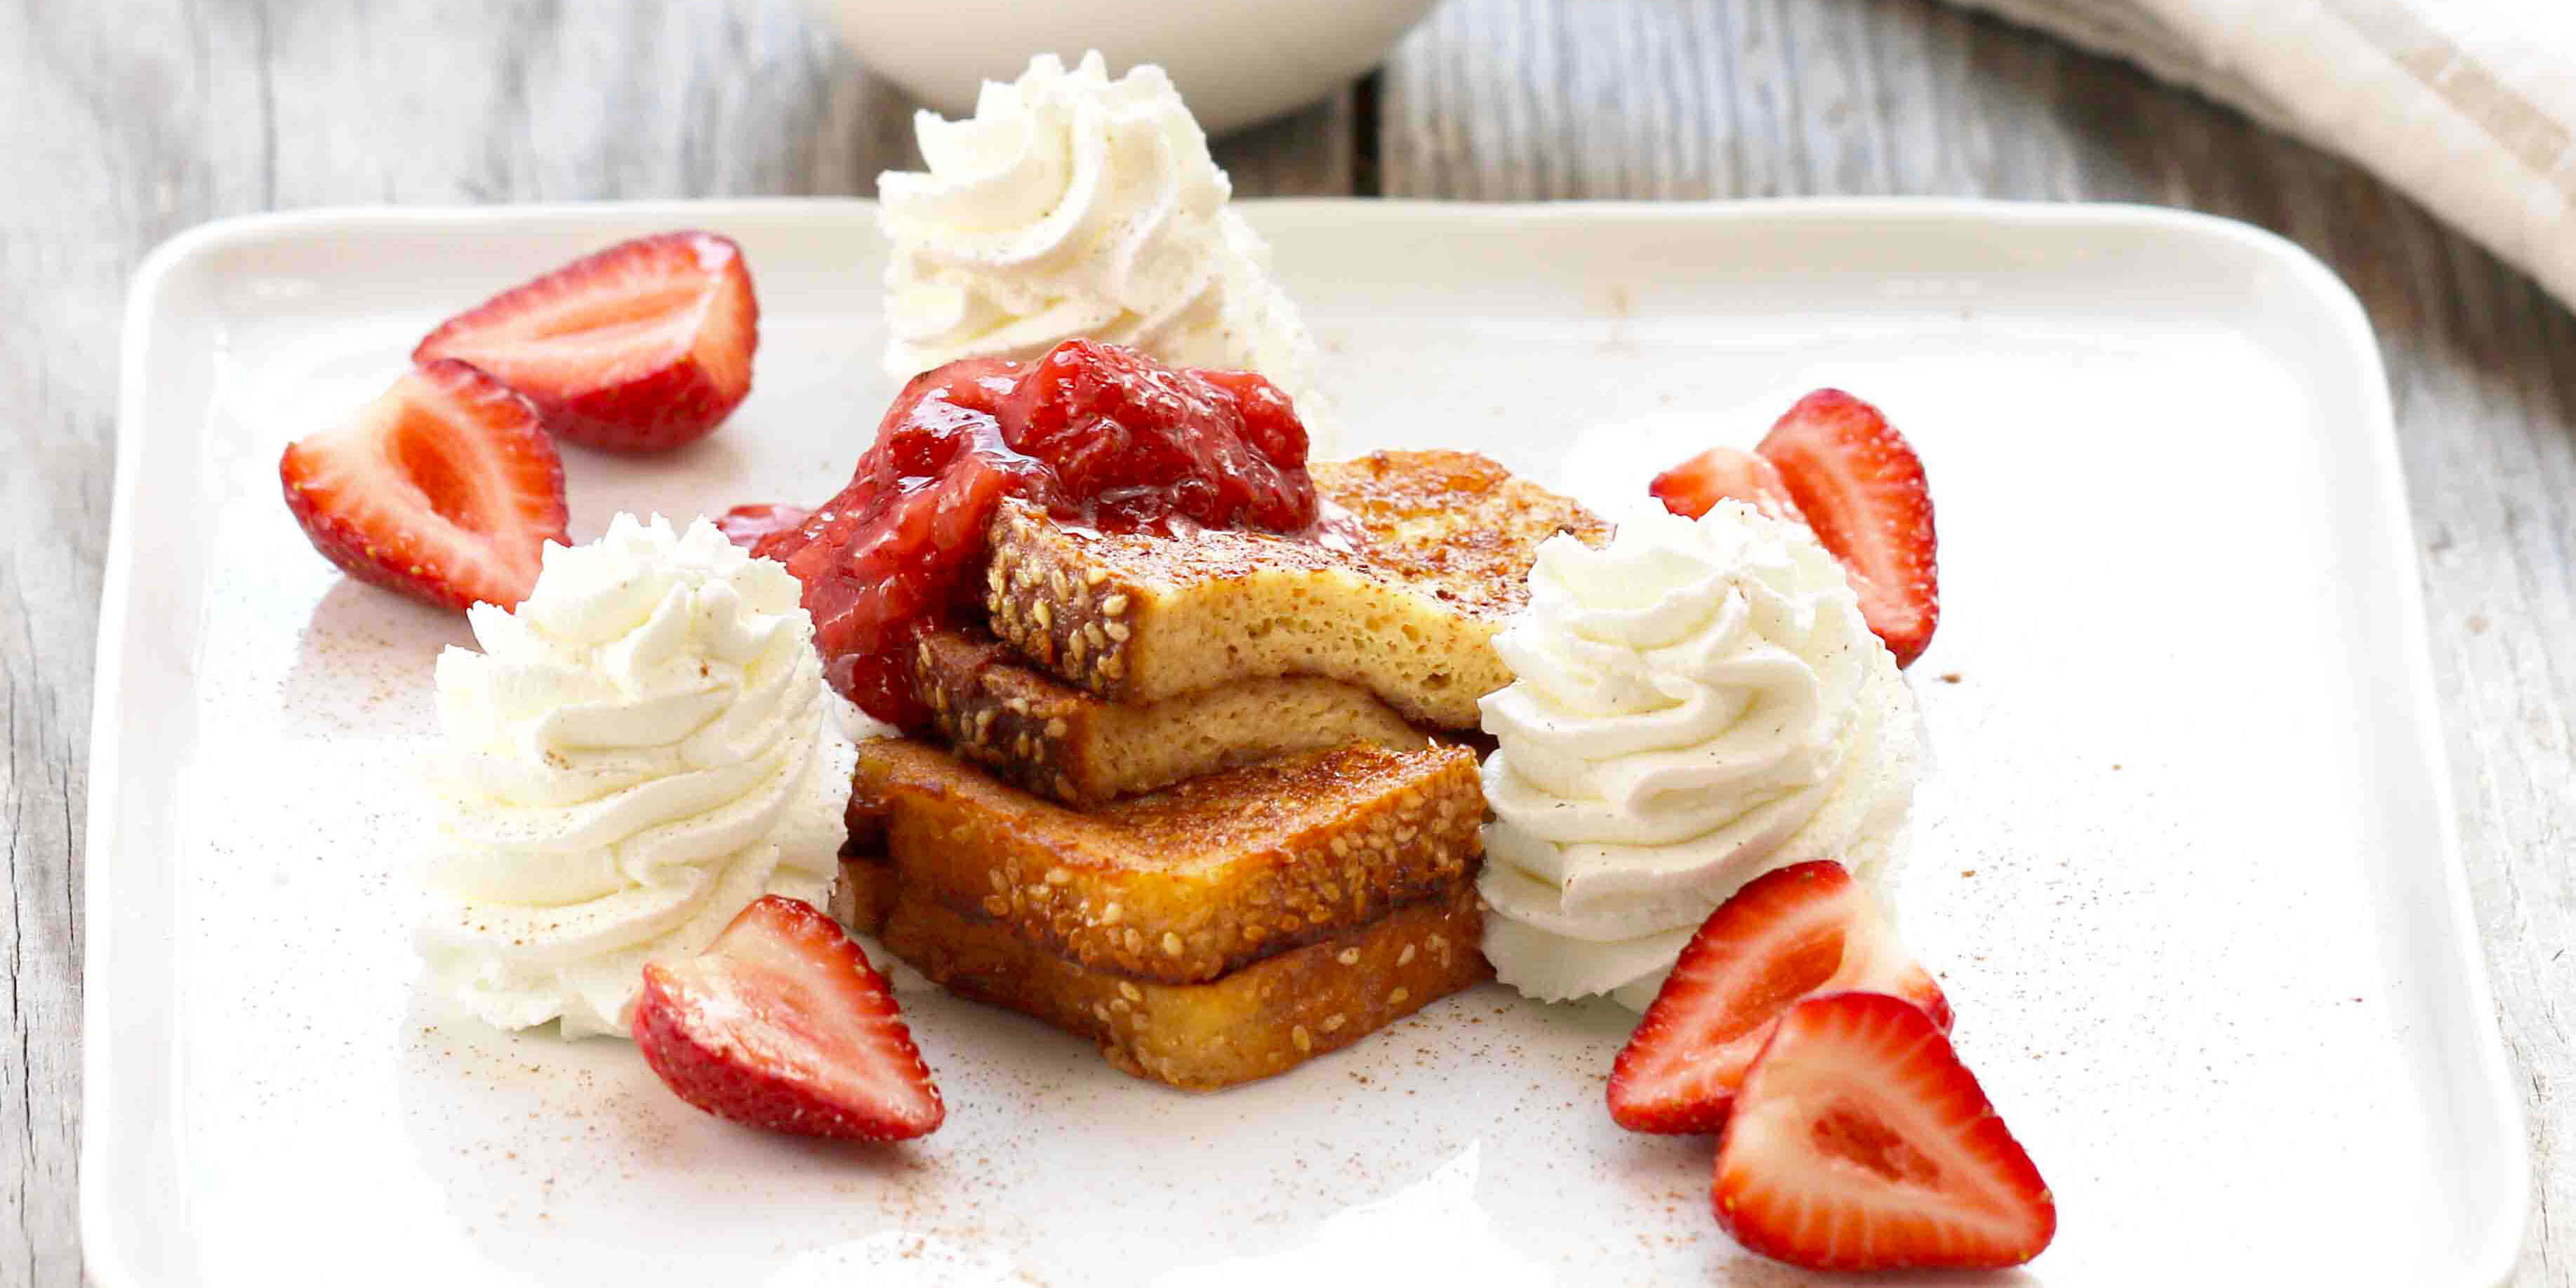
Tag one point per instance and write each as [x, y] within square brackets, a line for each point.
[1209, 800]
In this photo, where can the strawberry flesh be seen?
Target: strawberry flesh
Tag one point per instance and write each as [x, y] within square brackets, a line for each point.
[1861, 1143]
[641, 347]
[782, 1024]
[1804, 929]
[445, 489]
[1861, 487]
[1695, 486]
[1102, 435]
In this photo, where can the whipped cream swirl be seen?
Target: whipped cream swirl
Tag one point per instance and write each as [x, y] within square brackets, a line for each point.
[1071, 205]
[1694, 705]
[636, 754]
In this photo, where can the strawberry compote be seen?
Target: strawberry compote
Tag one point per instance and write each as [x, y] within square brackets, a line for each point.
[1101, 435]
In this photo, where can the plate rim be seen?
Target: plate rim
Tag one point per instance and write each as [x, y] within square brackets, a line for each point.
[2490, 1256]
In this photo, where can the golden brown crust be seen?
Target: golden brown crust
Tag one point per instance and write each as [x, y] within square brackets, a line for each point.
[1062, 742]
[1185, 884]
[1252, 1023]
[864, 894]
[1456, 525]
[1409, 613]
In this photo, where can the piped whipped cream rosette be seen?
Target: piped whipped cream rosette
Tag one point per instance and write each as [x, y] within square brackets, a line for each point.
[1071, 205]
[1694, 705]
[635, 755]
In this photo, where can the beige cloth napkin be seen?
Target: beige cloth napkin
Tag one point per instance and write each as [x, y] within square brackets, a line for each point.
[2467, 105]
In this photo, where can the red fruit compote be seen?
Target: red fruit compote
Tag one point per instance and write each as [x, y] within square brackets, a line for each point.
[1101, 435]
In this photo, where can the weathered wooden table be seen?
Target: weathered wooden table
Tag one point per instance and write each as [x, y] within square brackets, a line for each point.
[124, 121]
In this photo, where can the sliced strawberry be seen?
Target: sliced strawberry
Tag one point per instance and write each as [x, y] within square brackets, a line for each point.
[1861, 488]
[643, 346]
[445, 489]
[1804, 929]
[1695, 486]
[1861, 1143]
[782, 1024]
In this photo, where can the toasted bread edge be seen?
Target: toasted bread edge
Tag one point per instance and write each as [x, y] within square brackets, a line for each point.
[1262, 1020]
[1094, 889]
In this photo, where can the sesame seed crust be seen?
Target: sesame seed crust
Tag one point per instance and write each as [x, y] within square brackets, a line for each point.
[1409, 614]
[1252, 1023]
[1186, 884]
[1035, 730]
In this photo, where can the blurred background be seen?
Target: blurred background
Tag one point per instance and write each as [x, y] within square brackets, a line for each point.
[123, 122]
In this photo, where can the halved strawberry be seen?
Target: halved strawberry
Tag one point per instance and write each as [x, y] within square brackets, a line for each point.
[1695, 486]
[1861, 488]
[643, 346]
[1804, 929]
[1861, 1143]
[445, 489]
[782, 1024]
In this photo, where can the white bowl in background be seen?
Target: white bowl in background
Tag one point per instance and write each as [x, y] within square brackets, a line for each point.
[1235, 61]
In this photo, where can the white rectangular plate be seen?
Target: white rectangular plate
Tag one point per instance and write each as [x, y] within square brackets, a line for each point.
[2184, 861]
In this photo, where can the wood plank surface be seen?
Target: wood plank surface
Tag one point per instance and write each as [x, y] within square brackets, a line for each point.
[123, 121]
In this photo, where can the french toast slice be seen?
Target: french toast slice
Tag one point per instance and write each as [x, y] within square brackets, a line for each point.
[1061, 742]
[1263, 1019]
[865, 893]
[1188, 883]
[1408, 611]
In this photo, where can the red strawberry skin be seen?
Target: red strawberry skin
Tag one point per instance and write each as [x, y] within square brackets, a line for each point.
[641, 347]
[1695, 486]
[783, 1025]
[1861, 487]
[445, 488]
[1861, 1143]
[1803, 929]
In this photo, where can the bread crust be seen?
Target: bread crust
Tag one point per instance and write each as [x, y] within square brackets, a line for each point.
[1185, 884]
[1261, 1020]
[1407, 612]
[1068, 744]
